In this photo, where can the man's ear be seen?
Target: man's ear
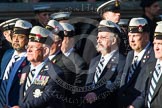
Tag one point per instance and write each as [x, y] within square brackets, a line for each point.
[46, 51]
[114, 40]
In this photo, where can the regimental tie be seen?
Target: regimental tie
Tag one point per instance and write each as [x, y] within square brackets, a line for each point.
[133, 67]
[5, 81]
[99, 69]
[29, 80]
[154, 80]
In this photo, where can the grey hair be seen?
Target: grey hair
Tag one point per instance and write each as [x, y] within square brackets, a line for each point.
[116, 36]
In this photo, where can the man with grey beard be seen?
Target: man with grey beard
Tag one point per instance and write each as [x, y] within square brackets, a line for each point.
[12, 63]
[105, 69]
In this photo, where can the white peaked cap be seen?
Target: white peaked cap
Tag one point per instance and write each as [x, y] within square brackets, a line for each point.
[123, 22]
[159, 28]
[138, 21]
[9, 24]
[60, 15]
[41, 31]
[67, 27]
[41, 35]
[108, 23]
[23, 24]
[55, 25]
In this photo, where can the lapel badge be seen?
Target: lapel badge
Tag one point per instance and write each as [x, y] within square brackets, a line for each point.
[151, 72]
[144, 61]
[113, 68]
[37, 93]
[112, 59]
[54, 61]
[46, 68]
[144, 57]
[19, 70]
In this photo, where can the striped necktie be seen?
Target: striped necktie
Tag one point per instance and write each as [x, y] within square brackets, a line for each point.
[9, 67]
[29, 80]
[99, 69]
[154, 80]
[5, 81]
[132, 69]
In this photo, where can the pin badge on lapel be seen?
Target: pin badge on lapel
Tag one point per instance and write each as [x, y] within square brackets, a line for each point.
[54, 61]
[144, 61]
[113, 68]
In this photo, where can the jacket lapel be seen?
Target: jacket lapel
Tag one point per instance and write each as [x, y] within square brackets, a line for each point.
[127, 68]
[159, 84]
[13, 73]
[110, 67]
[146, 56]
[92, 70]
[24, 75]
[33, 86]
[142, 62]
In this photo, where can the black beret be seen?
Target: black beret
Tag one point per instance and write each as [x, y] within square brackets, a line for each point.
[112, 5]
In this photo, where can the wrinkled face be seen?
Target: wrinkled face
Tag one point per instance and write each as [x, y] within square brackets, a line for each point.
[154, 9]
[19, 41]
[43, 17]
[158, 48]
[35, 52]
[138, 41]
[104, 42]
[7, 34]
[112, 16]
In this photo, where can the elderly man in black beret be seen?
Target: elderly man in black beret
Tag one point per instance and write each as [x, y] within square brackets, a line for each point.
[151, 9]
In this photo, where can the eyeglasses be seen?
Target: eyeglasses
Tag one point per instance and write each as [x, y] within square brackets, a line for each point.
[33, 48]
[102, 37]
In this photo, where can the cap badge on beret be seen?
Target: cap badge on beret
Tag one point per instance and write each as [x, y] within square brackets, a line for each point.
[116, 3]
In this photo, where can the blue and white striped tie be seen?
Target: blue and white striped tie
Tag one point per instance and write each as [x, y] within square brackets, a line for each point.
[132, 69]
[153, 84]
[29, 80]
[99, 69]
